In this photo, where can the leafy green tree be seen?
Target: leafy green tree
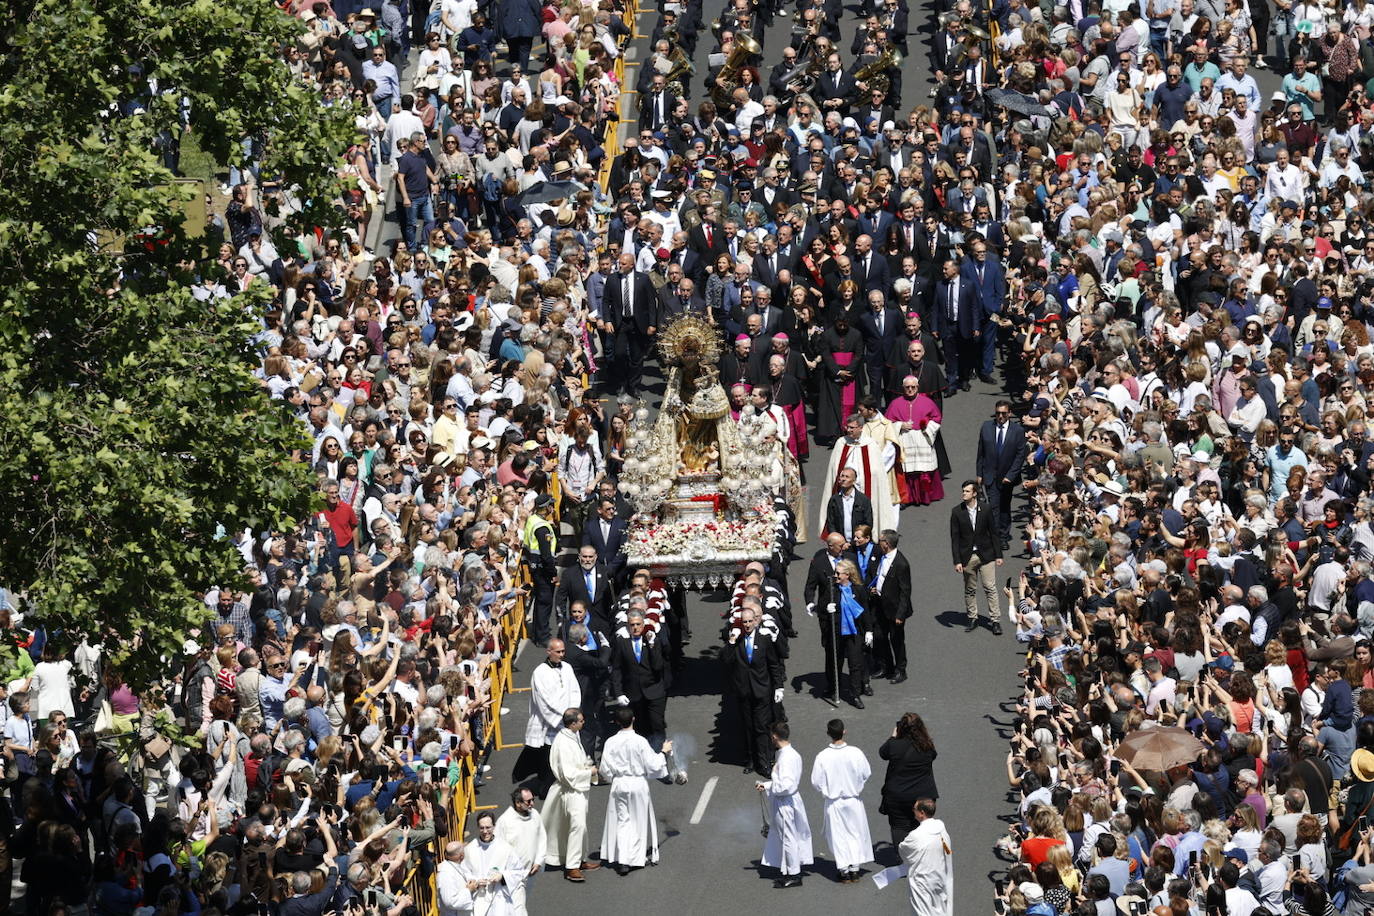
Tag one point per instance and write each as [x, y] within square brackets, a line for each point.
[132, 432]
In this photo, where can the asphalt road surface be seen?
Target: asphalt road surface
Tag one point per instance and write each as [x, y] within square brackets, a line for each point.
[709, 829]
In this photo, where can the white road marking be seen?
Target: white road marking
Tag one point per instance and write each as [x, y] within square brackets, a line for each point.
[700, 810]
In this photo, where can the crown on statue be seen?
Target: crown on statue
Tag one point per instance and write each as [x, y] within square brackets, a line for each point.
[690, 337]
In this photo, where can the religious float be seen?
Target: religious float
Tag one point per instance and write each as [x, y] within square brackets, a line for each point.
[703, 480]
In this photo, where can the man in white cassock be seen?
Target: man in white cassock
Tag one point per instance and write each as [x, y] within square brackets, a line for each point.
[927, 853]
[788, 846]
[452, 884]
[872, 463]
[553, 688]
[630, 837]
[839, 774]
[565, 812]
[492, 869]
[522, 829]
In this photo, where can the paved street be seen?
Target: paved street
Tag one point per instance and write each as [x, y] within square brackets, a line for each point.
[956, 683]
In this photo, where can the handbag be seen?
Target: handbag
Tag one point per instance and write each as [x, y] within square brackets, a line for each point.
[1347, 838]
[156, 747]
[104, 720]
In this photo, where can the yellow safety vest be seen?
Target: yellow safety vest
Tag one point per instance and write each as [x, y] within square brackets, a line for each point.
[532, 526]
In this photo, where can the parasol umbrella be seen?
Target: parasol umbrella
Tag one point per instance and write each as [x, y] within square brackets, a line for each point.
[541, 192]
[1021, 104]
[1159, 749]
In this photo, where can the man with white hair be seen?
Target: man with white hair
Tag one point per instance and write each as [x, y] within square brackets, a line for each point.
[452, 885]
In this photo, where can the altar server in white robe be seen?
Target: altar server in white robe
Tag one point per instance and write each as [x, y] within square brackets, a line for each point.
[630, 837]
[494, 868]
[788, 847]
[565, 811]
[522, 829]
[930, 862]
[553, 688]
[839, 774]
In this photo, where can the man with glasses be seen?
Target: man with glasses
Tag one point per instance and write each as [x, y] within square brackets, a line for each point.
[387, 79]
[1001, 456]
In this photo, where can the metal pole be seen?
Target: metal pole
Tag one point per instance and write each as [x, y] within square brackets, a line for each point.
[834, 700]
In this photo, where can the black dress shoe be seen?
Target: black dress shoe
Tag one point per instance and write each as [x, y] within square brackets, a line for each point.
[964, 386]
[748, 769]
[986, 379]
[971, 626]
[950, 392]
[996, 628]
[899, 676]
[622, 870]
[790, 881]
[791, 634]
[868, 690]
[857, 702]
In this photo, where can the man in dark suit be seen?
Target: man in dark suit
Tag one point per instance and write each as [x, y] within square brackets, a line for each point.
[757, 679]
[959, 316]
[520, 21]
[629, 313]
[848, 507]
[606, 535]
[977, 554]
[588, 653]
[986, 276]
[589, 583]
[656, 106]
[678, 297]
[880, 326]
[1001, 455]
[818, 594]
[835, 87]
[709, 241]
[892, 590]
[639, 678]
[685, 256]
[874, 221]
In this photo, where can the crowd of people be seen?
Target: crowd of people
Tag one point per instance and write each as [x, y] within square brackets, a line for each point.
[1168, 267]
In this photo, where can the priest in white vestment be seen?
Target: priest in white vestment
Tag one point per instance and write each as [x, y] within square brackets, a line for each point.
[788, 846]
[839, 774]
[930, 863]
[452, 883]
[630, 837]
[872, 463]
[495, 868]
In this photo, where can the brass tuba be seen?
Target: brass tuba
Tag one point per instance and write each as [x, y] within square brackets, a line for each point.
[727, 80]
[874, 73]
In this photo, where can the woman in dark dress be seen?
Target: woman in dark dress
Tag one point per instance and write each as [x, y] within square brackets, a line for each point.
[910, 756]
[841, 350]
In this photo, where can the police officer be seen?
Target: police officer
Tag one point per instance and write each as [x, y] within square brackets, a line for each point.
[541, 551]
